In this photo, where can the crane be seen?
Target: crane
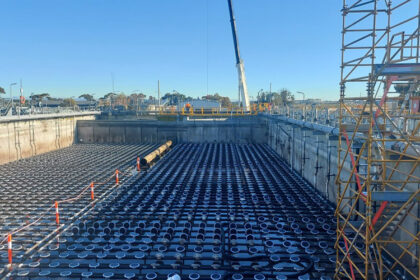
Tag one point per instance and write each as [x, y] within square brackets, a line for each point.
[243, 89]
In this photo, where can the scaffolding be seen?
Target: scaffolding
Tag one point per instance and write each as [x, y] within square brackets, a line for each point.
[378, 174]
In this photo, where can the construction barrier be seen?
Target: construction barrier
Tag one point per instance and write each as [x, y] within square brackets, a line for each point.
[92, 192]
[57, 215]
[9, 248]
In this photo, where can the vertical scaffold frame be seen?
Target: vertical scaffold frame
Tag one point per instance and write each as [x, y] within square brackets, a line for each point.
[378, 174]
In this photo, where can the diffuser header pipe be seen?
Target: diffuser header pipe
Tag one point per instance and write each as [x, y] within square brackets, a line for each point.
[156, 153]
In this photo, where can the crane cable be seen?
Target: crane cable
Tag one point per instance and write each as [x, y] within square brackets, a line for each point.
[207, 47]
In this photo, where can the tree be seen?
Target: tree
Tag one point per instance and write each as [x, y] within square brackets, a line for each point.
[267, 97]
[88, 97]
[2, 90]
[135, 99]
[39, 97]
[214, 97]
[68, 102]
[281, 98]
[109, 95]
[403, 90]
[287, 97]
[175, 98]
[52, 98]
[261, 97]
[120, 99]
[224, 101]
[107, 99]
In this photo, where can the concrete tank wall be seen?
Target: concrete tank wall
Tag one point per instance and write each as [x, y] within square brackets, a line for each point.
[25, 137]
[314, 154]
[238, 131]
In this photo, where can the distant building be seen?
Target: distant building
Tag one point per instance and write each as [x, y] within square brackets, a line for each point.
[198, 104]
[314, 100]
[86, 104]
[309, 101]
[51, 103]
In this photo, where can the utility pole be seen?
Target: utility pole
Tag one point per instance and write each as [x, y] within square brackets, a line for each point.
[20, 98]
[304, 105]
[11, 97]
[159, 94]
[271, 101]
[137, 107]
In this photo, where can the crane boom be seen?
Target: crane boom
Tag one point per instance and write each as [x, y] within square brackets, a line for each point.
[243, 89]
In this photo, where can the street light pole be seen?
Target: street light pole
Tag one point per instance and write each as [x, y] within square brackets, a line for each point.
[158, 94]
[20, 98]
[137, 92]
[11, 96]
[304, 105]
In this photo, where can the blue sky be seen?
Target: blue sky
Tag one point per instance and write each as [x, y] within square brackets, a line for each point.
[71, 47]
